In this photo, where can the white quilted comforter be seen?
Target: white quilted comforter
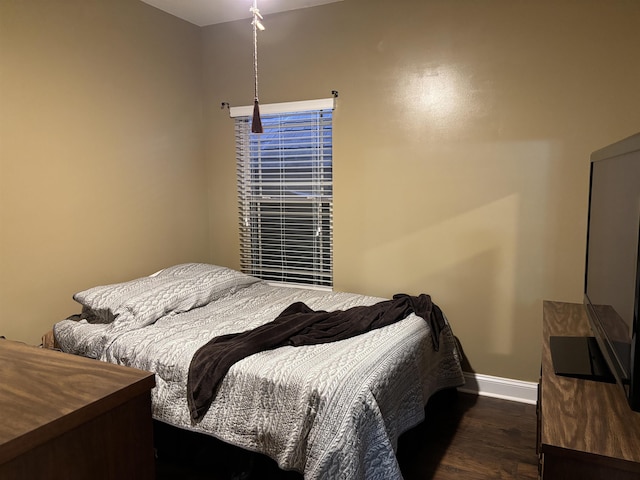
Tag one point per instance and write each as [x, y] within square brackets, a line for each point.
[331, 411]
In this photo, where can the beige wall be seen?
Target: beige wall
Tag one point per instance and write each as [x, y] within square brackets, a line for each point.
[462, 139]
[101, 152]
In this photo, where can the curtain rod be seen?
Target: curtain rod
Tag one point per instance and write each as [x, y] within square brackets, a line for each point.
[227, 105]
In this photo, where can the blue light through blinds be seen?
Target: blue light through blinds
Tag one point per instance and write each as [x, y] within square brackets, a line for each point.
[285, 187]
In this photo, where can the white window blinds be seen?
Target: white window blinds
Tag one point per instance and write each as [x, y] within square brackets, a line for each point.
[285, 187]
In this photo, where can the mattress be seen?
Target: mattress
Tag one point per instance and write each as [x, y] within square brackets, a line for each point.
[332, 410]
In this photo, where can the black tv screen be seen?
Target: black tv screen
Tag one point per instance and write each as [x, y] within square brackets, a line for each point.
[612, 276]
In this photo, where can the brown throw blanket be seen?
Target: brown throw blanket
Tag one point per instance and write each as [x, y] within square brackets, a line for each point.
[298, 325]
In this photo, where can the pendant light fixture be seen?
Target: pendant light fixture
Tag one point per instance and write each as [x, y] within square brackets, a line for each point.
[256, 123]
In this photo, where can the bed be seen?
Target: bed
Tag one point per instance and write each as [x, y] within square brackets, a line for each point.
[328, 410]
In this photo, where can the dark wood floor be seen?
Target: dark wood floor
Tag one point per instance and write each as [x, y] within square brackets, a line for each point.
[464, 437]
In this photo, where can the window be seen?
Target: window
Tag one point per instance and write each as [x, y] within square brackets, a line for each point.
[285, 186]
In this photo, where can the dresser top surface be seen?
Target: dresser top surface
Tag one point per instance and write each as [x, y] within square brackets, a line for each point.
[46, 392]
[583, 415]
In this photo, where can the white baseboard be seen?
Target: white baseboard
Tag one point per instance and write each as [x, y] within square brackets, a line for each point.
[497, 387]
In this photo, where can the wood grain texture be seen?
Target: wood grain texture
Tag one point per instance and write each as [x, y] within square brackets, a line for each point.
[47, 394]
[113, 446]
[585, 421]
[471, 437]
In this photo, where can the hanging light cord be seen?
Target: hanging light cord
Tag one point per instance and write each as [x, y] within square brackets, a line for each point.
[256, 123]
[256, 14]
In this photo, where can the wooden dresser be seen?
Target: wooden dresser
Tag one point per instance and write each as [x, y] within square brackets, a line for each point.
[586, 429]
[69, 417]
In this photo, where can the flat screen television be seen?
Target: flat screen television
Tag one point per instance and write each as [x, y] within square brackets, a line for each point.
[612, 275]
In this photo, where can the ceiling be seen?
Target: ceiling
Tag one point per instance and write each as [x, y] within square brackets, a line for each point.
[208, 12]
